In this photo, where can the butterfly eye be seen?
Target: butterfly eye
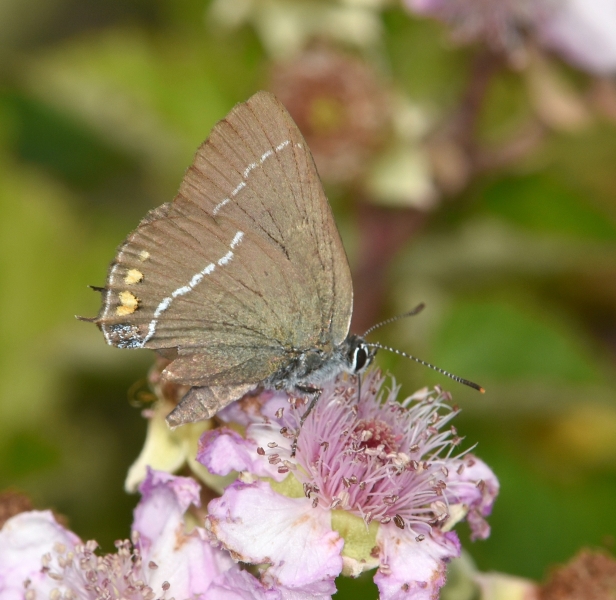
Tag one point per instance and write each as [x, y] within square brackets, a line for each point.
[361, 358]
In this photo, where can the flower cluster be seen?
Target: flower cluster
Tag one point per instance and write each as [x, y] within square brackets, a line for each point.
[373, 484]
[41, 559]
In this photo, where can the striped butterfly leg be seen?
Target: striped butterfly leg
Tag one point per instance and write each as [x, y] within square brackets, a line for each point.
[316, 394]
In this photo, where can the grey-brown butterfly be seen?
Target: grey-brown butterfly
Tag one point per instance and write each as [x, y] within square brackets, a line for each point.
[242, 281]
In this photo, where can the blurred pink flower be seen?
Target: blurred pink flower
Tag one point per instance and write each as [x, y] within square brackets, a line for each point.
[41, 559]
[341, 107]
[374, 483]
[498, 23]
[582, 31]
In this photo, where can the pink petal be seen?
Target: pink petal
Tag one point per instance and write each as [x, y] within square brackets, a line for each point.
[236, 584]
[411, 569]
[427, 7]
[476, 486]
[252, 409]
[187, 561]
[261, 526]
[190, 567]
[316, 591]
[584, 32]
[240, 585]
[164, 500]
[24, 540]
[223, 450]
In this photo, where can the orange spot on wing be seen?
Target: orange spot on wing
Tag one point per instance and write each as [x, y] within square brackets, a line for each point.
[133, 276]
[128, 304]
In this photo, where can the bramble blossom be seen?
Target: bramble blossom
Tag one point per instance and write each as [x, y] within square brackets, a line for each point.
[40, 559]
[374, 484]
[167, 449]
[499, 24]
[581, 31]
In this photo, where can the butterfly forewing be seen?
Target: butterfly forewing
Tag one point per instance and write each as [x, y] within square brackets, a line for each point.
[259, 154]
[244, 268]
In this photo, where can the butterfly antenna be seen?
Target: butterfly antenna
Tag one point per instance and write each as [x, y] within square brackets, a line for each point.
[410, 313]
[426, 364]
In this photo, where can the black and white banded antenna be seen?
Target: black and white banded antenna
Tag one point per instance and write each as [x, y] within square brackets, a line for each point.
[427, 364]
[410, 313]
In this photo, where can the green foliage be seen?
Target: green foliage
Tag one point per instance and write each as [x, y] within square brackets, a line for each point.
[55, 141]
[420, 62]
[24, 454]
[547, 205]
[497, 341]
[98, 121]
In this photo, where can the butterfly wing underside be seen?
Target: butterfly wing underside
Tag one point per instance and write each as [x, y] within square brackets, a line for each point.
[244, 268]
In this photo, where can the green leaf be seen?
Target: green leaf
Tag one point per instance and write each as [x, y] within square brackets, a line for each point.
[420, 59]
[542, 203]
[24, 453]
[58, 142]
[498, 341]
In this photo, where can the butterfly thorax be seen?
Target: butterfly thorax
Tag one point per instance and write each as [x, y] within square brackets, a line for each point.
[315, 366]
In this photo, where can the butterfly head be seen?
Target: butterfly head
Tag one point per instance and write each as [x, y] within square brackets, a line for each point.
[358, 354]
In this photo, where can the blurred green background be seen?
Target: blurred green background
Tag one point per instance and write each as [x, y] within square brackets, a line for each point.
[102, 105]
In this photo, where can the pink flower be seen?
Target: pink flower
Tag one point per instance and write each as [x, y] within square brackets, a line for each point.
[499, 23]
[41, 559]
[582, 31]
[374, 483]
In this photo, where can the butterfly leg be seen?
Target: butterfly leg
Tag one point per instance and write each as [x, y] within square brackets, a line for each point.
[316, 394]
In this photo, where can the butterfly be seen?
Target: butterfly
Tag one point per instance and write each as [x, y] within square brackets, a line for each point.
[242, 281]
